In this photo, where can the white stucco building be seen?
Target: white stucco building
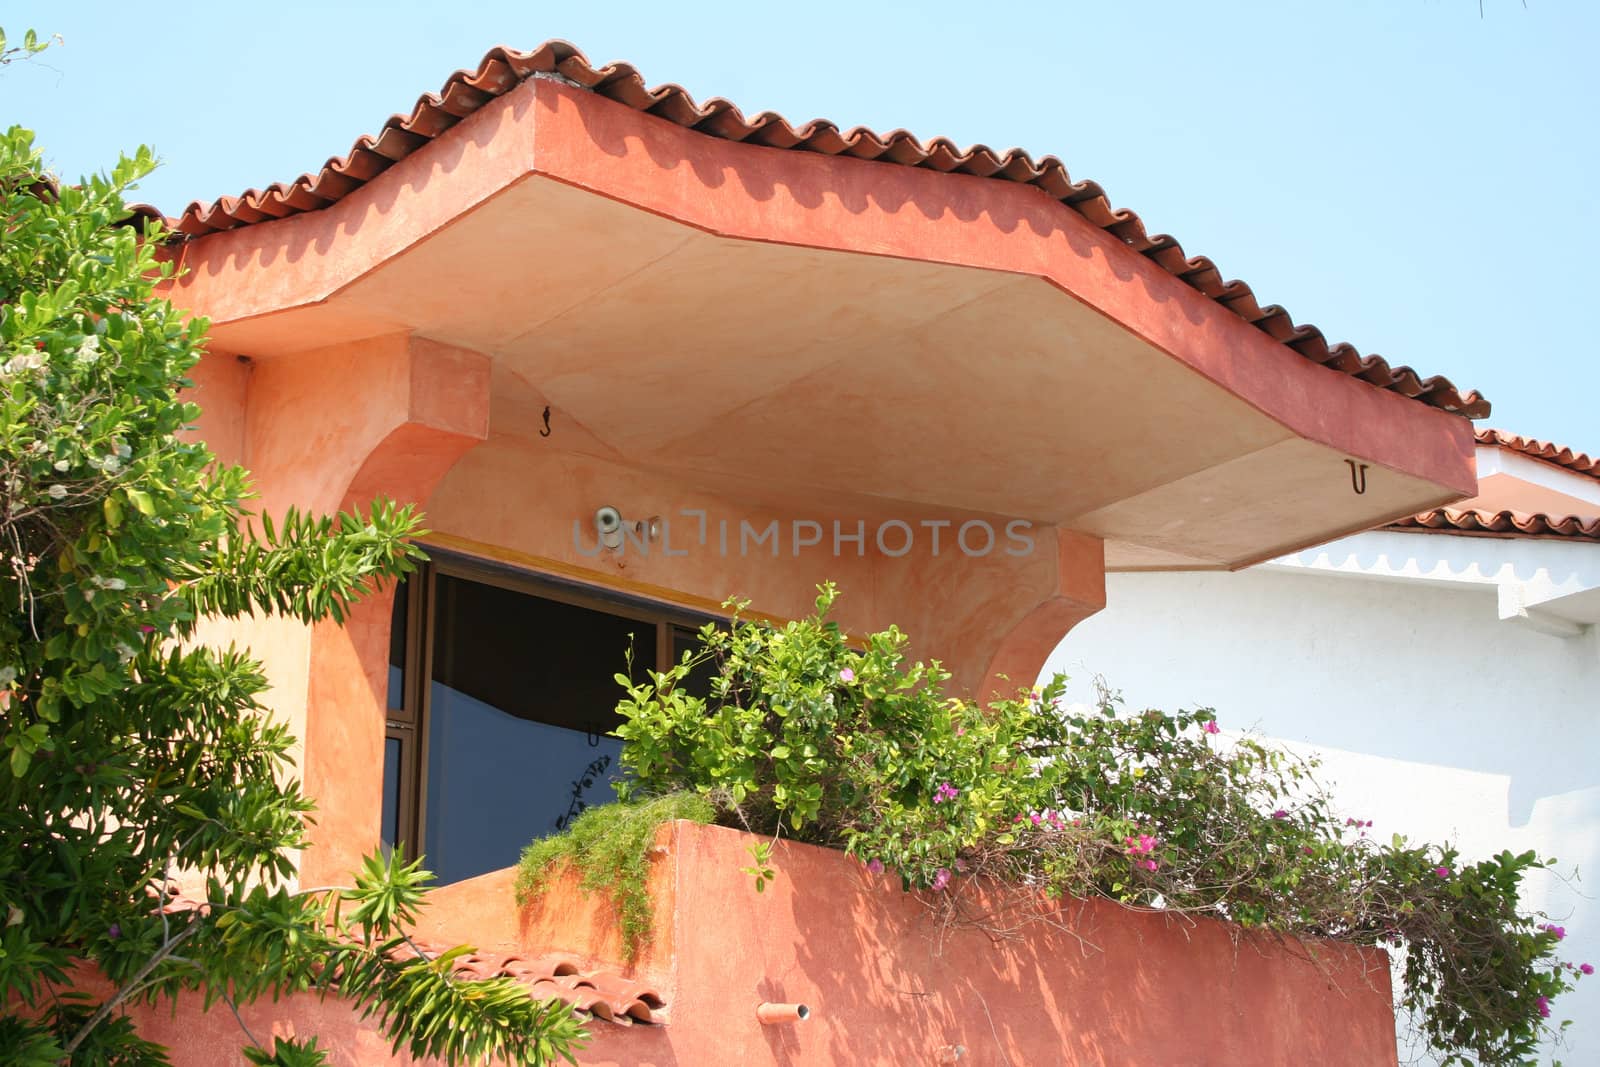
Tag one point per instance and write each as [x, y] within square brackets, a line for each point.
[1446, 668]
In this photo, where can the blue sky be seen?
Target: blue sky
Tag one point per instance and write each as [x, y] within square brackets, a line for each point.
[1409, 176]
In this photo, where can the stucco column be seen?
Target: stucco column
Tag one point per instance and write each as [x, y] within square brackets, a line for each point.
[984, 614]
[1079, 591]
[334, 429]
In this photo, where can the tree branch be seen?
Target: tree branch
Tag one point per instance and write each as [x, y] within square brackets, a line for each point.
[127, 989]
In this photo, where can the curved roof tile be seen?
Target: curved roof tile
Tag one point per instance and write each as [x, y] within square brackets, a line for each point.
[502, 69]
[1545, 450]
[1499, 523]
[599, 994]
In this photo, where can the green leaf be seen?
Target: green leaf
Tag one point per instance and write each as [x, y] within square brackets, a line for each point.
[141, 501]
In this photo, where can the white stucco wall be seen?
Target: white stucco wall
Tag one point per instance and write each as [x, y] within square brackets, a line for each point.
[1434, 717]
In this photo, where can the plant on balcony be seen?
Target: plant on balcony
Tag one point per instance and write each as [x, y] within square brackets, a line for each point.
[130, 750]
[809, 737]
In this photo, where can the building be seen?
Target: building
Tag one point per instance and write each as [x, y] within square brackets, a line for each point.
[1446, 667]
[634, 355]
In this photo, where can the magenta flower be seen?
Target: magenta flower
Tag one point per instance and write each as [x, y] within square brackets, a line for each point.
[1559, 931]
[146, 628]
[1544, 1007]
[945, 792]
[1141, 845]
[875, 865]
[941, 878]
[847, 675]
[1280, 814]
[1586, 968]
[1442, 872]
[1151, 865]
[1211, 727]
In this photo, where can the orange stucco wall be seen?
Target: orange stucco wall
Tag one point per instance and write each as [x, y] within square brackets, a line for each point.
[414, 420]
[1106, 986]
[325, 428]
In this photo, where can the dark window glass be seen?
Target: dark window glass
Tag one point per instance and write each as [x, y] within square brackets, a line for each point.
[521, 699]
[699, 681]
[391, 793]
[397, 646]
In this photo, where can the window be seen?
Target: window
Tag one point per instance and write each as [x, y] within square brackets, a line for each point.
[509, 737]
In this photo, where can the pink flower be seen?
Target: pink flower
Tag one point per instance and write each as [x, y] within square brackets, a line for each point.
[847, 675]
[1559, 931]
[875, 866]
[1211, 727]
[961, 866]
[1442, 872]
[945, 792]
[147, 629]
[1586, 968]
[1141, 845]
[1544, 1007]
[961, 731]
[941, 878]
[1150, 865]
[1280, 814]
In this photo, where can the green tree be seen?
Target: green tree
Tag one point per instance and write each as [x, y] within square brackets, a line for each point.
[130, 751]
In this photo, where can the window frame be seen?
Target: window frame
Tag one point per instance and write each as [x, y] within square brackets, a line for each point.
[409, 724]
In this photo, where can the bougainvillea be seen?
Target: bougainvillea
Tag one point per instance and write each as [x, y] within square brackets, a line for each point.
[852, 745]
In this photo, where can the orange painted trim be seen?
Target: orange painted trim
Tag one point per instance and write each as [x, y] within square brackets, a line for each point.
[827, 202]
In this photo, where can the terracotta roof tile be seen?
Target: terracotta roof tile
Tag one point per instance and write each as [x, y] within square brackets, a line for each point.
[501, 69]
[1545, 450]
[1499, 524]
[601, 994]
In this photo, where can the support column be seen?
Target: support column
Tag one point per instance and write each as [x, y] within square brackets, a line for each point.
[333, 430]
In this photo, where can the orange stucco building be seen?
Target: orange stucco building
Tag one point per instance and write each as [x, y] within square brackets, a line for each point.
[557, 309]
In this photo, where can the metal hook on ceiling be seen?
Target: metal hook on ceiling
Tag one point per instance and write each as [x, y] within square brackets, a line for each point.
[546, 431]
[1358, 476]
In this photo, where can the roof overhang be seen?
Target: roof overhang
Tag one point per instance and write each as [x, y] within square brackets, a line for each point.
[1550, 584]
[809, 330]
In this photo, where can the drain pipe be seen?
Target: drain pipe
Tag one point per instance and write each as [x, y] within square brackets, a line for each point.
[778, 1014]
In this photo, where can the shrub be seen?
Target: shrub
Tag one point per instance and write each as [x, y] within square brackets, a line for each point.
[129, 750]
[856, 747]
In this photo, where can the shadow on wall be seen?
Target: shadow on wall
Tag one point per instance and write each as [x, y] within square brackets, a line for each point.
[1416, 674]
[1096, 983]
